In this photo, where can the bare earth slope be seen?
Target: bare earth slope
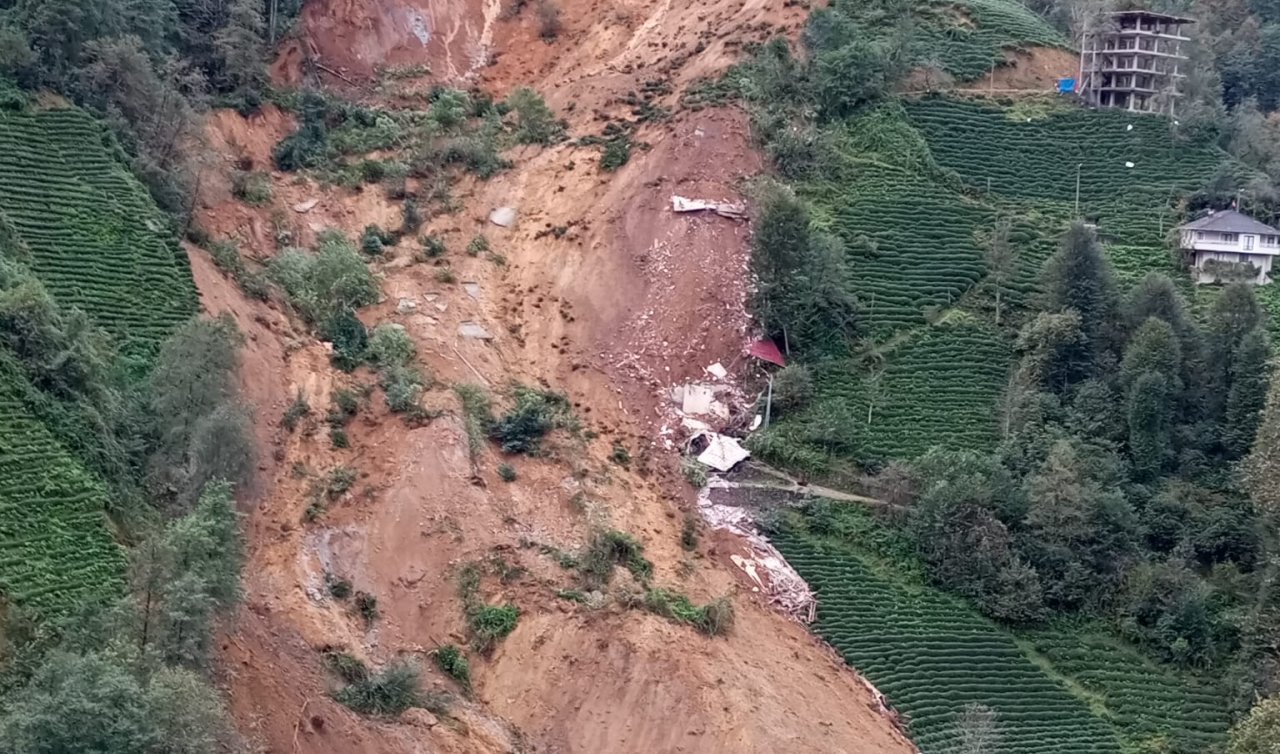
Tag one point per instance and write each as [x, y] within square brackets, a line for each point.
[630, 300]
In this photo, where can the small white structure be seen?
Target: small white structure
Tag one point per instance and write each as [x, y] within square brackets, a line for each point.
[1227, 246]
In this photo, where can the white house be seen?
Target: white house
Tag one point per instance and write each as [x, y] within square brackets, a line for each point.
[1226, 246]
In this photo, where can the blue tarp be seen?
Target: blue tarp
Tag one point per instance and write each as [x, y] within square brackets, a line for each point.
[1066, 86]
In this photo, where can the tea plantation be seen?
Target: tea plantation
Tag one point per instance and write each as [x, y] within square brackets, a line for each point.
[1053, 690]
[56, 550]
[931, 655]
[72, 213]
[90, 231]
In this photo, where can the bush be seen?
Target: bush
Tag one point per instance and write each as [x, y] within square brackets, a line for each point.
[367, 607]
[340, 480]
[792, 387]
[535, 123]
[617, 152]
[454, 663]
[349, 338]
[298, 409]
[346, 666]
[374, 240]
[345, 405]
[338, 438]
[713, 619]
[391, 346]
[386, 694]
[411, 216]
[477, 246]
[339, 588]
[620, 455]
[535, 413]
[432, 246]
[549, 24]
[251, 187]
[492, 623]
[323, 285]
[608, 549]
[403, 386]
[507, 472]
[694, 473]
[446, 276]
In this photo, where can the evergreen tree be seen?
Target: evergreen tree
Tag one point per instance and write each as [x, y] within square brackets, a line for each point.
[241, 48]
[1154, 349]
[1149, 419]
[1233, 315]
[1248, 393]
[1078, 278]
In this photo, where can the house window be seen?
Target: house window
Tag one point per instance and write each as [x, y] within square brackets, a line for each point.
[1230, 237]
[1199, 235]
[1248, 242]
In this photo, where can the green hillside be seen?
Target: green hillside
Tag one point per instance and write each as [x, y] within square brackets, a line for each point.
[72, 215]
[56, 550]
[1053, 691]
[88, 229]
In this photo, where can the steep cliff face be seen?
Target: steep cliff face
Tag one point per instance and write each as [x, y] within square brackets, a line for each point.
[605, 295]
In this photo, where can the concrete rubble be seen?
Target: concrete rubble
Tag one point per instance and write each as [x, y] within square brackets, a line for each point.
[724, 209]
[503, 217]
[474, 331]
[760, 560]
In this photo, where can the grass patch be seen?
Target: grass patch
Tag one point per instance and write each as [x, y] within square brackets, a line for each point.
[453, 662]
[384, 694]
[713, 619]
[607, 550]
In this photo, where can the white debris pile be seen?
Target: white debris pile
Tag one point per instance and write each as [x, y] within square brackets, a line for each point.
[731, 210]
[761, 561]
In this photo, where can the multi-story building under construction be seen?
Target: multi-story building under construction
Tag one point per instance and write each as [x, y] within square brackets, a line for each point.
[1131, 62]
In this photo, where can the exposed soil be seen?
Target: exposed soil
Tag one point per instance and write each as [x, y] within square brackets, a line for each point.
[606, 295]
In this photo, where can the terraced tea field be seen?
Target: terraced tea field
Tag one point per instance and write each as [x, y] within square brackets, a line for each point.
[939, 386]
[1147, 703]
[931, 655]
[56, 550]
[92, 233]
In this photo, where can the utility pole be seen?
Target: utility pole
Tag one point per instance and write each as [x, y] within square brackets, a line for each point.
[1079, 166]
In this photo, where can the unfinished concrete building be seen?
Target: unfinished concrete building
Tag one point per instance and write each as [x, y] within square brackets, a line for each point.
[1131, 60]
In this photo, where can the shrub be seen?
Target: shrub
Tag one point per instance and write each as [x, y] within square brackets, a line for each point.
[296, 411]
[345, 405]
[346, 666]
[454, 663]
[403, 387]
[366, 607]
[792, 387]
[338, 438]
[507, 472]
[446, 276]
[390, 346]
[535, 413]
[713, 619]
[535, 123]
[476, 415]
[432, 246]
[387, 694]
[374, 240]
[323, 285]
[477, 246]
[449, 108]
[694, 473]
[492, 623]
[549, 24]
[339, 588]
[689, 532]
[372, 171]
[251, 187]
[617, 151]
[608, 549]
[620, 455]
[226, 257]
[349, 338]
[340, 480]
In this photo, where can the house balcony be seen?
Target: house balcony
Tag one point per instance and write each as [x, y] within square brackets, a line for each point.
[1148, 34]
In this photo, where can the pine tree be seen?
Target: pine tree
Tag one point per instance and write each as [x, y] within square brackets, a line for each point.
[1154, 349]
[1078, 278]
[1248, 393]
[1233, 315]
[1149, 420]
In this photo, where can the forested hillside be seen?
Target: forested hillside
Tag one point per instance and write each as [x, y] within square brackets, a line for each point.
[121, 433]
[990, 327]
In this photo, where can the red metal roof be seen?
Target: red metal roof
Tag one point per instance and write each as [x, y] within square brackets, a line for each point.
[765, 350]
